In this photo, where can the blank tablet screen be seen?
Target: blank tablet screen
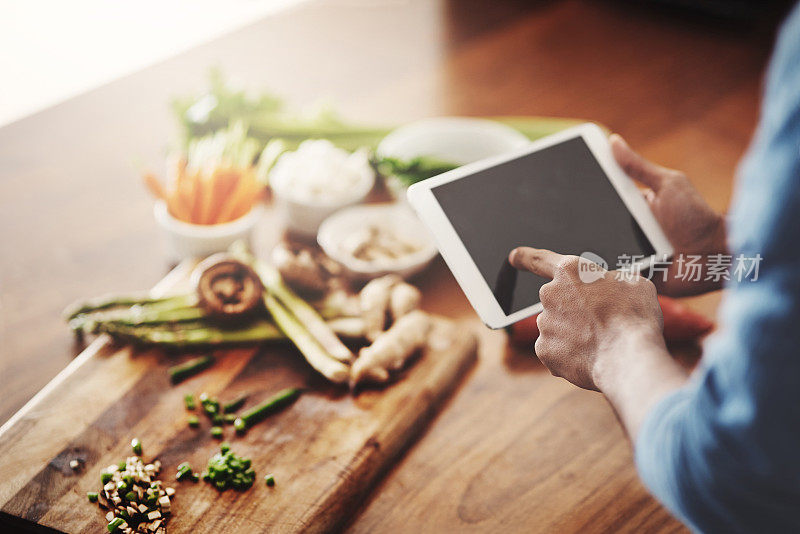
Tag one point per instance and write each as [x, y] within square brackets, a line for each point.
[558, 198]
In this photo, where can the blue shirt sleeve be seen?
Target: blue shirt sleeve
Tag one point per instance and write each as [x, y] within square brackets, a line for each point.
[723, 453]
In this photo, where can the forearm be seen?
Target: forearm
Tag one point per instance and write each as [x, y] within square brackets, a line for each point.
[635, 373]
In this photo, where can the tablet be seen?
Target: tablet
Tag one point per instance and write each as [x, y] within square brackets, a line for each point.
[564, 193]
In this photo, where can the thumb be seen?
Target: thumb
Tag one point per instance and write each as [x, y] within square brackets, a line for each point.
[538, 261]
[635, 166]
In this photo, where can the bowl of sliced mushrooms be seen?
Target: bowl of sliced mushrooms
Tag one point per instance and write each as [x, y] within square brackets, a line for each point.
[375, 240]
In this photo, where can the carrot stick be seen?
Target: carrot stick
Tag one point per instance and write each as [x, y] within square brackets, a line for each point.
[154, 185]
[242, 195]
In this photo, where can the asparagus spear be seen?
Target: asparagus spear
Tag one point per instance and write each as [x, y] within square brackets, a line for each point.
[136, 316]
[194, 334]
[314, 353]
[304, 313]
[106, 302]
[179, 373]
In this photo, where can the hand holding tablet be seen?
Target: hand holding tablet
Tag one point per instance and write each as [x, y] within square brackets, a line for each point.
[564, 193]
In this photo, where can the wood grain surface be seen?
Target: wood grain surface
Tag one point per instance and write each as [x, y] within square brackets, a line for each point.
[516, 450]
[325, 451]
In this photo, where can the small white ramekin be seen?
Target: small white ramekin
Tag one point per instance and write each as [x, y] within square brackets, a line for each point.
[395, 215]
[186, 240]
[305, 217]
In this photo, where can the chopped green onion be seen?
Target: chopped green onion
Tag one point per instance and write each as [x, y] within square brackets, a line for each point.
[92, 496]
[193, 421]
[224, 447]
[105, 478]
[188, 400]
[239, 425]
[179, 373]
[270, 480]
[216, 432]
[115, 523]
[136, 445]
[234, 405]
[275, 403]
[131, 496]
[229, 418]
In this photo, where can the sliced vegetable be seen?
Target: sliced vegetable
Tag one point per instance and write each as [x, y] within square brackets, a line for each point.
[304, 314]
[272, 405]
[181, 372]
[227, 470]
[227, 287]
[329, 367]
[234, 405]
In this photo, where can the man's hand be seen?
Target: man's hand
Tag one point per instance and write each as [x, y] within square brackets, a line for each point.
[603, 335]
[688, 221]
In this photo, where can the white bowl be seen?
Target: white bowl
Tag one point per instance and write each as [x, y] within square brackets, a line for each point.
[337, 227]
[459, 140]
[305, 216]
[186, 240]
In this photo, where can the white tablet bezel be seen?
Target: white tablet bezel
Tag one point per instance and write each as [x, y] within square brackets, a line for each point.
[457, 257]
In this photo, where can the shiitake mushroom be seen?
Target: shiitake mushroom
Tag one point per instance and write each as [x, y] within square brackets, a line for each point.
[226, 287]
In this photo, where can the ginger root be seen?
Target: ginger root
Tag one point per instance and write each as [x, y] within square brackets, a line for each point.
[404, 299]
[391, 349]
[374, 298]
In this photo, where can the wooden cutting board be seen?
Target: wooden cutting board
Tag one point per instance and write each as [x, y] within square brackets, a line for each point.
[326, 451]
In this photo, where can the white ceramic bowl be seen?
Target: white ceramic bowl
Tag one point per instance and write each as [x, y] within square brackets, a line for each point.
[185, 240]
[458, 140]
[396, 216]
[304, 216]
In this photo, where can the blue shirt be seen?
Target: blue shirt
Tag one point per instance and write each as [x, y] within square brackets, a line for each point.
[723, 453]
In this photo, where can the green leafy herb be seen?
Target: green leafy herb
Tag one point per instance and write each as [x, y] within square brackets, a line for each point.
[414, 170]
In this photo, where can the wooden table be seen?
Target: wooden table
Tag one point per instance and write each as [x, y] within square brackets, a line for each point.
[516, 449]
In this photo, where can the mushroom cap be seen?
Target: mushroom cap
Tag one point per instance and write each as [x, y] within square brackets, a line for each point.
[226, 287]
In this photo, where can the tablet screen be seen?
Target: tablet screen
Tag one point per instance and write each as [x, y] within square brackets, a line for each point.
[558, 198]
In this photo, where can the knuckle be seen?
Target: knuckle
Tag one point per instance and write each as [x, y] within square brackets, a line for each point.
[567, 265]
[546, 294]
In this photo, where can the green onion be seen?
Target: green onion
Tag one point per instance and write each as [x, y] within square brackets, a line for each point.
[229, 418]
[193, 421]
[188, 400]
[270, 480]
[234, 405]
[227, 470]
[273, 404]
[240, 426]
[184, 471]
[136, 445]
[216, 432]
[224, 447]
[181, 372]
[122, 465]
[131, 496]
[115, 523]
[105, 478]
[92, 496]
